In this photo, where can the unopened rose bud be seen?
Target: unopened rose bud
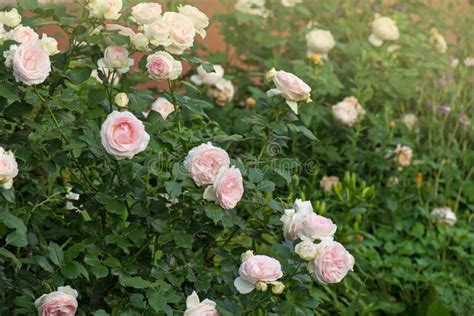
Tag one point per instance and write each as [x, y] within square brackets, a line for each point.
[250, 102]
[392, 124]
[246, 255]
[270, 74]
[306, 250]
[278, 288]
[419, 180]
[261, 286]
[317, 59]
[121, 99]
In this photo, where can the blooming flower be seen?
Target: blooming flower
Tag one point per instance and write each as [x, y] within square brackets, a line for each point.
[403, 156]
[199, 19]
[116, 57]
[105, 9]
[348, 111]
[31, 64]
[204, 162]
[208, 78]
[194, 307]
[23, 35]
[252, 7]
[8, 168]
[182, 32]
[163, 107]
[410, 121]
[48, 44]
[158, 33]
[319, 42]
[327, 183]
[444, 215]
[162, 66]
[383, 29]
[62, 302]
[222, 91]
[438, 41]
[10, 18]
[145, 13]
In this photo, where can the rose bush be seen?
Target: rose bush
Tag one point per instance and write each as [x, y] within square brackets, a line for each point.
[320, 164]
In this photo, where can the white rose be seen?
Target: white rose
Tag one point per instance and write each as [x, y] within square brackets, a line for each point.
[22, 34]
[158, 33]
[319, 42]
[3, 33]
[194, 307]
[121, 99]
[140, 42]
[116, 57]
[438, 41]
[252, 7]
[348, 111]
[162, 66]
[31, 64]
[10, 18]
[8, 55]
[48, 44]
[208, 78]
[163, 107]
[146, 13]
[199, 19]
[383, 29]
[105, 9]
[444, 215]
[306, 250]
[182, 32]
[410, 120]
[8, 168]
[290, 3]
[222, 92]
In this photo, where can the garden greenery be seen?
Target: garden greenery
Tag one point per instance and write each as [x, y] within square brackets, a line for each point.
[321, 164]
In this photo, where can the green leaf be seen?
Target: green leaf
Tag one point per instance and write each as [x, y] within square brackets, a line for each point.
[214, 212]
[6, 253]
[100, 312]
[135, 282]
[173, 188]
[9, 92]
[100, 271]
[55, 253]
[266, 186]
[79, 75]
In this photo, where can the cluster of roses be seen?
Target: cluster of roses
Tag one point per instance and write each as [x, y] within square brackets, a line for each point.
[257, 7]
[29, 58]
[220, 89]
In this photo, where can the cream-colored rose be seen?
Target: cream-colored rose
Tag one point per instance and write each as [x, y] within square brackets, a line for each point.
[105, 9]
[290, 3]
[403, 156]
[163, 107]
[162, 66]
[278, 287]
[345, 113]
[8, 55]
[252, 7]
[319, 42]
[222, 92]
[121, 99]
[327, 183]
[48, 44]
[62, 302]
[10, 18]
[146, 13]
[140, 42]
[199, 19]
[306, 250]
[158, 33]
[383, 29]
[444, 215]
[8, 168]
[23, 35]
[116, 57]
[410, 121]
[3, 33]
[208, 78]
[194, 307]
[182, 32]
[438, 41]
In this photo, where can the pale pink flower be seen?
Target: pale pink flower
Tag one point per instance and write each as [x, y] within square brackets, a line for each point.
[162, 66]
[403, 156]
[255, 269]
[62, 302]
[204, 162]
[228, 187]
[194, 307]
[31, 64]
[290, 87]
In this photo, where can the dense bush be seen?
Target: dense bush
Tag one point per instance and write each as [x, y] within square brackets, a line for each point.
[137, 197]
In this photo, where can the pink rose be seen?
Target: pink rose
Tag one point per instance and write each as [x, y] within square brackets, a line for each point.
[162, 66]
[31, 64]
[23, 35]
[290, 87]
[8, 168]
[204, 162]
[257, 269]
[228, 187]
[60, 303]
[123, 135]
[194, 307]
[403, 155]
[162, 106]
[331, 263]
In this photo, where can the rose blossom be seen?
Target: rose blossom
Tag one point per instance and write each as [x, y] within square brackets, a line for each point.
[31, 64]
[438, 41]
[163, 107]
[403, 155]
[344, 113]
[158, 33]
[204, 161]
[444, 215]
[319, 42]
[327, 183]
[228, 187]
[306, 250]
[146, 13]
[252, 7]
[194, 307]
[199, 19]
[116, 57]
[23, 35]
[162, 66]
[123, 135]
[410, 121]
[290, 3]
[10, 18]
[121, 99]
[301, 222]
[63, 302]
[290, 87]
[331, 263]
[8, 168]
[222, 92]
[255, 269]
[105, 9]
[182, 32]
[383, 29]
[208, 78]
[140, 42]
[48, 44]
